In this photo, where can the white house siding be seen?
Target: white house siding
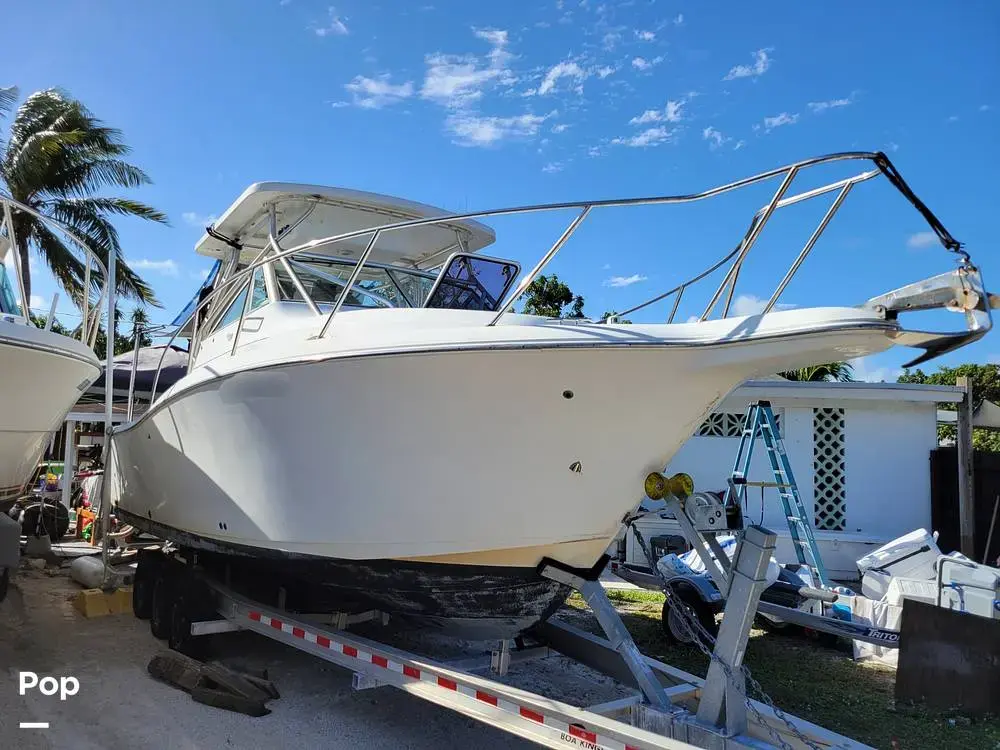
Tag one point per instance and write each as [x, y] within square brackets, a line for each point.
[888, 466]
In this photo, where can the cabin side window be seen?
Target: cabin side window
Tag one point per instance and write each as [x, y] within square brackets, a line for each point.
[8, 302]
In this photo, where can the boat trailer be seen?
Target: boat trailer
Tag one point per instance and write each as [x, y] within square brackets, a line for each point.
[666, 708]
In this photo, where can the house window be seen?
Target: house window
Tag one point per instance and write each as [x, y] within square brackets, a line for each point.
[727, 424]
[829, 470]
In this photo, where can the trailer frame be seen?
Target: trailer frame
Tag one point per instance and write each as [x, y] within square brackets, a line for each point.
[661, 713]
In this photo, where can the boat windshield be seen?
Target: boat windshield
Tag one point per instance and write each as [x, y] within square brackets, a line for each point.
[378, 286]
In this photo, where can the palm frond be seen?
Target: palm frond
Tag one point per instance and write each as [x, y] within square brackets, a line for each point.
[83, 176]
[83, 216]
[8, 95]
[65, 266]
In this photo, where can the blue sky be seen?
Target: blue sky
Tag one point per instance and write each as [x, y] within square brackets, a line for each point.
[469, 105]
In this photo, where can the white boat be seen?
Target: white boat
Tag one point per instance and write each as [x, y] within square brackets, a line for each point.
[416, 446]
[42, 373]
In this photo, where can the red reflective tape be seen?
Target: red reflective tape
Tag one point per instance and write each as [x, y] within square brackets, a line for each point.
[380, 661]
[583, 734]
[446, 683]
[631, 747]
[411, 672]
[527, 713]
[486, 697]
[276, 624]
[322, 641]
[298, 632]
[255, 616]
[350, 651]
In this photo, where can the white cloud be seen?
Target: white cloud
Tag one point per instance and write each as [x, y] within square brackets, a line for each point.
[761, 63]
[166, 267]
[679, 20]
[770, 123]
[953, 118]
[610, 40]
[649, 137]
[375, 93]
[921, 240]
[892, 146]
[641, 63]
[201, 275]
[336, 26]
[750, 304]
[606, 267]
[984, 107]
[198, 220]
[864, 371]
[620, 281]
[565, 69]
[552, 167]
[645, 36]
[458, 80]
[36, 302]
[560, 128]
[475, 130]
[671, 113]
[829, 104]
[714, 137]
[594, 152]
[605, 71]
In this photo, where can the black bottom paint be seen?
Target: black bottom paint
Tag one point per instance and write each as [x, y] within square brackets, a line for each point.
[468, 601]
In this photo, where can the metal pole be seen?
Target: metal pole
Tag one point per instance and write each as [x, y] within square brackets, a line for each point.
[69, 459]
[350, 282]
[108, 414]
[136, 341]
[966, 483]
[52, 312]
[526, 281]
[734, 269]
[807, 248]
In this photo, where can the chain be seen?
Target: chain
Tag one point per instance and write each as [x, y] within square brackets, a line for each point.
[703, 639]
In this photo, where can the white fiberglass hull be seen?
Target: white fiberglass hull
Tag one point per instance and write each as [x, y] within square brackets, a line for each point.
[42, 374]
[487, 459]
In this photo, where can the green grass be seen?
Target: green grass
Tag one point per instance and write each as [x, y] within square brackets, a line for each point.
[824, 685]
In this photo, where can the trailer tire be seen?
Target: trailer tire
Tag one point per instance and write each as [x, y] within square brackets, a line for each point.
[4, 582]
[142, 588]
[160, 612]
[674, 627]
[180, 638]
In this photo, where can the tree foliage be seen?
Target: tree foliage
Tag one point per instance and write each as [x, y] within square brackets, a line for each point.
[57, 159]
[839, 372]
[549, 297]
[985, 381]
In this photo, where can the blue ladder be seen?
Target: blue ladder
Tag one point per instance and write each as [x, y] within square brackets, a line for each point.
[760, 421]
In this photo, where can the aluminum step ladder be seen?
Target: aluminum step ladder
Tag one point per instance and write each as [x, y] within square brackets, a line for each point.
[760, 421]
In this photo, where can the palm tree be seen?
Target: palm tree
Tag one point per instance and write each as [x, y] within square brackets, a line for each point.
[57, 157]
[841, 372]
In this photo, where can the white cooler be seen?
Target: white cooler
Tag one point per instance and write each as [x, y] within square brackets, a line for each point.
[910, 556]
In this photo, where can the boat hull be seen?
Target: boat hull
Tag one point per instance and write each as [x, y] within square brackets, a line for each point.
[463, 464]
[42, 374]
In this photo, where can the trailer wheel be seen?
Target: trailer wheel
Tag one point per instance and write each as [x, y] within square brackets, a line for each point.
[142, 594]
[180, 638]
[160, 614]
[4, 582]
[674, 626]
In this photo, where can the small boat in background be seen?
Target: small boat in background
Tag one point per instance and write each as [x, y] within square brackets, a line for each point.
[42, 372]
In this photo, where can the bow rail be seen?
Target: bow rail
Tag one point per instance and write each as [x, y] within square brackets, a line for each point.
[274, 253]
[91, 316]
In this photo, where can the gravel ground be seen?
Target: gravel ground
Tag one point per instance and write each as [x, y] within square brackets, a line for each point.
[120, 706]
